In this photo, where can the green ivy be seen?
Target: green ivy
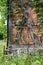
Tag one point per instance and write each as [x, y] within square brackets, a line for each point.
[37, 5]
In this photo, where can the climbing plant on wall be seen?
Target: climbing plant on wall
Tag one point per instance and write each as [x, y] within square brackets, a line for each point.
[37, 5]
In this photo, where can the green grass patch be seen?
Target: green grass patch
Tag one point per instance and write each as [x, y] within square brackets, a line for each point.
[21, 60]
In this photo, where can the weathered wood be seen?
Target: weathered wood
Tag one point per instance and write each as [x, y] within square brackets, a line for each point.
[28, 18]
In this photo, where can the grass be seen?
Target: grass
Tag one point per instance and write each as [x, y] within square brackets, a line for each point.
[2, 44]
[21, 60]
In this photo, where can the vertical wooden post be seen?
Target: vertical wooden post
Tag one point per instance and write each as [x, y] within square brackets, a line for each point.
[7, 22]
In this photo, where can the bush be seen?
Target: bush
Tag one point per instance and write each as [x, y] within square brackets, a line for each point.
[1, 36]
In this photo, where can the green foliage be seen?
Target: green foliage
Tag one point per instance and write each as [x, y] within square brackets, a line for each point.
[3, 14]
[3, 8]
[38, 7]
[30, 60]
[1, 36]
[3, 30]
[21, 60]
